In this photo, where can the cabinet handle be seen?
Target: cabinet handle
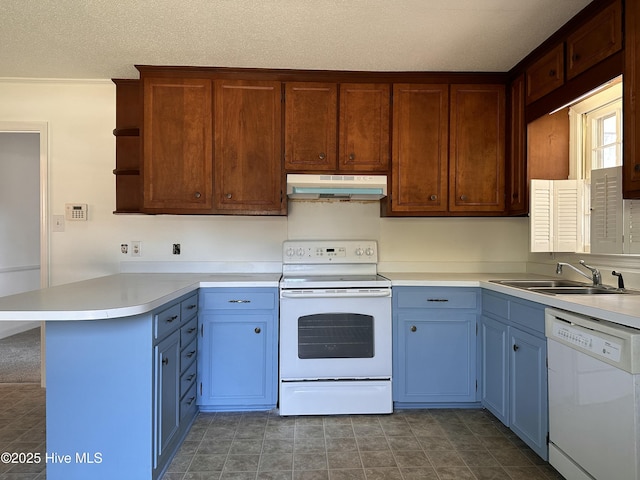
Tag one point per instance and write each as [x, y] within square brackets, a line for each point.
[515, 195]
[190, 354]
[190, 377]
[197, 194]
[190, 401]
[437, 299]
[165, 361]
[433, 197]
[192, 329]
[552, 73]
[413, 328]
[191, 307]
[322, 156]
[515, 347]
[239, 301]
[257, 330]
[352, 156]
[576, 57]
[637, 167]
[171, 319]
[463, 197]
[228, 195]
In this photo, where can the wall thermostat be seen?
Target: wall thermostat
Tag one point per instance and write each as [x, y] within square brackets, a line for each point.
[75, 211]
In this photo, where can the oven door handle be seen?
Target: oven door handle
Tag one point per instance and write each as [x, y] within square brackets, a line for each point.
[340, 294]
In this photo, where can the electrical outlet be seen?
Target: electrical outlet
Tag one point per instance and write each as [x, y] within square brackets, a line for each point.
[124, 248]
[136, 248]
[176, 249]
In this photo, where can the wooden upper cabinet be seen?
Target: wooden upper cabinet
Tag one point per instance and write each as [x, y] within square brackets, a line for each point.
[477, 148]
[420, 148]
[595, 40]
[631, 112]
[247, 152]
[517, 185]
[546, 74]
[364, 127]
[310, 125]
[177, 145]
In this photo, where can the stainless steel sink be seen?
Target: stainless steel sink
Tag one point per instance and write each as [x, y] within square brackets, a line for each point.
[540, 283]
[563, 287]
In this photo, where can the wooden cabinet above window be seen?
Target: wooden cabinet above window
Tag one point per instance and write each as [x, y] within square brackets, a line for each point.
[546, 74]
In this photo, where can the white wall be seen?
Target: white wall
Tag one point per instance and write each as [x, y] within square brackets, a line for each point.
[19, 218]
[81, 117]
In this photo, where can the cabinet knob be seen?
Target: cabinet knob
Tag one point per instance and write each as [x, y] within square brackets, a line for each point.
[172, 319]
[463, 198]
[352, 156]
[637, 167]
[413, 328]
[257, 330]
[228, 195]
[322, 156]
[190, 354]
[515, 347]
[165, 361]
[433, 197]
[197, 194]
[576, 57]
[515, 195]
[552, 73]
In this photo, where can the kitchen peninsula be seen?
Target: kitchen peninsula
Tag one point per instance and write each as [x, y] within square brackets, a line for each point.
[102, 339]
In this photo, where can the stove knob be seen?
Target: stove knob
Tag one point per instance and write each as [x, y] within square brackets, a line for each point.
[359, 251]
[369, 251]
[300, 252]
[290, 252]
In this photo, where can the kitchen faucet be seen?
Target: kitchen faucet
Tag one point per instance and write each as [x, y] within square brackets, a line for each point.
[595, 277]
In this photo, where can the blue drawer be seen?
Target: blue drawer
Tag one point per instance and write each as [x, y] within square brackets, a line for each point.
[188, 332]
[239, 300]
[166, 321]
[189, 308]
[435, 297]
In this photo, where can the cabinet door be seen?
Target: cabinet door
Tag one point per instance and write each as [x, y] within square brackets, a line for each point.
[248, 164]
[528, 389]
[436, 357]
[177, 145]
[237, 361]
[167, 395]
[495, 368]
[631, 112]
[546, 74]
[477, 146]
[595, 40]
[310, 128]
[364, 127]
[517, 161]
[420, 148]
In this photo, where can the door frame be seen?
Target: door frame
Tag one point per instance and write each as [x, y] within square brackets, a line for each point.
[42, 128]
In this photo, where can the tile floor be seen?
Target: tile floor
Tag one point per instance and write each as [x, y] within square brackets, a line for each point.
[409, 445]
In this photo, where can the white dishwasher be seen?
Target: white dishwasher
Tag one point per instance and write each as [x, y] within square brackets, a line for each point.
[594, 397]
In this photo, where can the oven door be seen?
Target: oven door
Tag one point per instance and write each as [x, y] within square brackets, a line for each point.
[335, 336]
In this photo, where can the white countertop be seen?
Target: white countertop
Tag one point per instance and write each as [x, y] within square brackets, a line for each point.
[119, 295]
[618, 308]
[130, 294]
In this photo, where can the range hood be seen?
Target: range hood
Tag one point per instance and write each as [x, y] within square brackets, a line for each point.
[336, 187]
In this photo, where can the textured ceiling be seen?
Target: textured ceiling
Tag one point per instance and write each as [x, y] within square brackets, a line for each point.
[105, 38]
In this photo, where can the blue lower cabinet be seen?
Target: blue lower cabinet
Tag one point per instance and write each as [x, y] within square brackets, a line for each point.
[237, 358]
[514, 371]
[435, 344]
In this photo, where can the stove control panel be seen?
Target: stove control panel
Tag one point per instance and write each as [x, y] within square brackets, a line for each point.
[329, 251]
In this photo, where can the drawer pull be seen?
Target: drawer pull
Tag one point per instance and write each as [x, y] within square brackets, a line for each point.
[165, 361]
[192, 329]
[257, 330]
[190, 354]
[190, 377]
[191, 307]
[190, 401]
[515, 347]
[437, 299]
[239, 301]
[413, 328]
[171, 319]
